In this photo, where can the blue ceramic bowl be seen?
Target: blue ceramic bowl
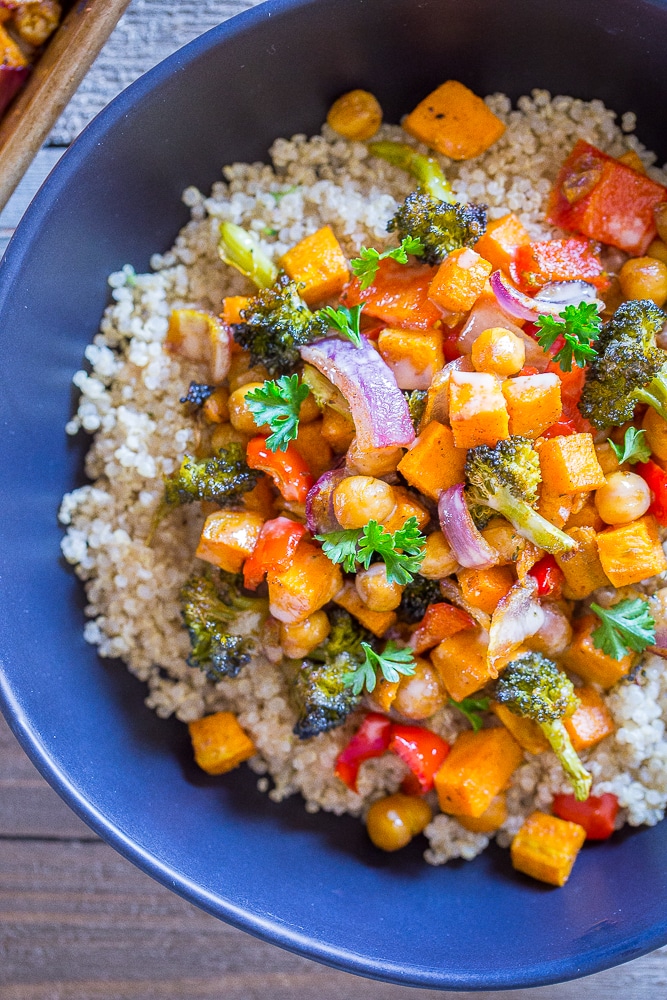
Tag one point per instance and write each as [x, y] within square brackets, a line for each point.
[309, 883]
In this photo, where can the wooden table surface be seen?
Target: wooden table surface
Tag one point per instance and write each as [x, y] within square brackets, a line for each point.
[77, 921]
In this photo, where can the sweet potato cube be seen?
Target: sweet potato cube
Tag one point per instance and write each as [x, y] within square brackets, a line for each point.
[200, 336]
[228, 538]
[232, 306]
[569, 464]
[582, 568]
[414, 356]
[219, 743]
[632, 552]
[407, 506]
[478, 767]
[527, 733]
[310, 582]
[533, 403]
[376, 622]
[584, 658]
[433, 463]
[586, 516]
[591, 722]
[318, 264]
[477, 409]
[491, 818]
[499, 243]
[385, 693]
[454, 121]
[484, 588]
[461, 661]
[313, 447]
[460, 280]
[546, 847]
[555, 507]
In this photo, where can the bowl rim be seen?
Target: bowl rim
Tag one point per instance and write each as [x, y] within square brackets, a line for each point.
[593, 960]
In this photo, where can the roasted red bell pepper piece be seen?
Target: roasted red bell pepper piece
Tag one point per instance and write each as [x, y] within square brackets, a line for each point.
[574, 259]
[571, 385]
[370, 740]
[549, 577]
[450, 341]
[273, 550]
[422, 750]
[656, 480]
[439, 622]
[603, 199]
[288, 469]
[562, 428]
[596, 814]
[398, 295]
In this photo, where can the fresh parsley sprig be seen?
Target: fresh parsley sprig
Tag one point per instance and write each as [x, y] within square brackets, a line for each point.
[391, 663]
[471, 707]
[402, 552]
[277, 403]
[635, 447]
[626, 627]
[579, 327]
[365, 266]
[345, 320]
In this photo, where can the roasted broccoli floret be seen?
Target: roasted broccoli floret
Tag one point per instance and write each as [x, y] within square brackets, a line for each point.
[629, 367]
[197, 394]
[504, 479]
[416, 400]
[440, 226]
[416, 598]
[276, 323]
[321, 696]
[221, 641]
[532, 686]
[425, 169]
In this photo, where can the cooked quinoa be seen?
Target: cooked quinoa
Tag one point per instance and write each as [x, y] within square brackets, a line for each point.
[129, 401]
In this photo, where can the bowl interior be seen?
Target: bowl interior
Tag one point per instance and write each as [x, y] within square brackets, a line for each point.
[309, 883]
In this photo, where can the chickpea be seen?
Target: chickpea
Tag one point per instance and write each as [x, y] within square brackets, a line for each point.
[490, 820]
[420, 695]
[499, 352]
[240, 371]
[438, 561]
[656, 433]
[644, 278]
[394, 821]
[300, 638]
[376, 591]
[660, 212]
[239, 414]
[309, 410]
[216, 407]
[502, 537]
[224, 434]
[358, 499]
[356, 115]
[658, 249]
[623, 498]
[378, 462]
[337, 430]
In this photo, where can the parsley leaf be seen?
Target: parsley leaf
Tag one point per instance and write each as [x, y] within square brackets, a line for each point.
[345, 320]
[279, 195]
[365, 266]
[391, 663]
[277, 404]
[627, 626]
[402, 552]
[635, 447]
[470, 708]
[580, 326]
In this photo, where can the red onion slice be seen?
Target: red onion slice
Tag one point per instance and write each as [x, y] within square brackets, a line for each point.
[519, 615]
[468, 545]
[319, 503]
[569, 293]
[379, 409]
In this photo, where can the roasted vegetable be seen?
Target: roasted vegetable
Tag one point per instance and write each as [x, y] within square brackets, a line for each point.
[441, 227]
[416, 400]
[504, 479]
[211, 607]
[532, 686]
[416, 598]
[197, 394]
[425, 169]
[240, 250]
[629, 368]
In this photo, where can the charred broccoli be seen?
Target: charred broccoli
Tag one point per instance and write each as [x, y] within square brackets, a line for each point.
[275, 324]
[440, 227]
[197, 394]
[321, 695]
[416, 598]
[629, 367]
[416, 400]
[212, 615]
[532, 686]
[425, 169]
[504, 479]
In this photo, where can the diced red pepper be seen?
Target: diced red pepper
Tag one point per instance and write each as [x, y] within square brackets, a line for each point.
[529, 370]
[439, 622]
[596, 814]
[398, 295]
[422, 750]
[273, 550]
[562, 428]
[656, 480]
[548, 576]
[573, 259]
[450, 343]
[606, 200]
[571, 385]
[370, 740]
[288, 469]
